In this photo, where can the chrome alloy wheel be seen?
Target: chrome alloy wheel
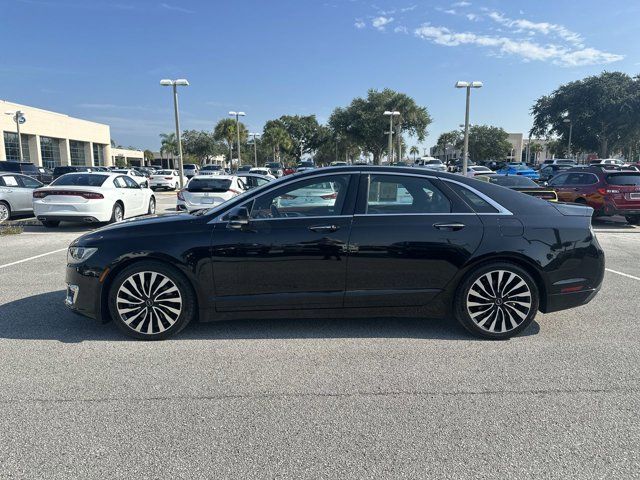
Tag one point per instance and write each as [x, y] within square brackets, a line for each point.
[499, 301]
[149, 302]
[4, 212]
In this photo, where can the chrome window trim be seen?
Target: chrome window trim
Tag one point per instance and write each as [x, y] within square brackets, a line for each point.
[501, 210]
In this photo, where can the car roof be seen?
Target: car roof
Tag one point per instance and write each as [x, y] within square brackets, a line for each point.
[209, 177]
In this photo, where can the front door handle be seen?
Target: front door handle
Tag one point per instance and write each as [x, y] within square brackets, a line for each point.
[324, 228]
[452, 227]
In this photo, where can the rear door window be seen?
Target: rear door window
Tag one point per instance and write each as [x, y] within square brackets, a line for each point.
[396, 194]
[28, 182]
[558, 180]
[581, 179]
[622, 179]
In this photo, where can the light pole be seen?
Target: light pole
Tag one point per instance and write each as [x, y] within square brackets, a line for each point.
[180, 82]
[465, 155]
[18, 117]
[391, 114]
[568, 120]
[255, 148]
[238, 115]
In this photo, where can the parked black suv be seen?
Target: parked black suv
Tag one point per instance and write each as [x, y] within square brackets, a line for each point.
[58, 171]
[27, 168]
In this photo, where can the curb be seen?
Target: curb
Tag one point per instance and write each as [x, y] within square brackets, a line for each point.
[27, 222]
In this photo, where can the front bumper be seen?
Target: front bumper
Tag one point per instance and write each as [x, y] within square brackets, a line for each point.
[83, 292]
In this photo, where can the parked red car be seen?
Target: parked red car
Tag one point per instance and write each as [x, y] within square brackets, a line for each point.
[288, 170]
[608, 192]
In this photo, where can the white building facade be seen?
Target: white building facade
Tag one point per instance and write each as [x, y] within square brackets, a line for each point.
[51, 139]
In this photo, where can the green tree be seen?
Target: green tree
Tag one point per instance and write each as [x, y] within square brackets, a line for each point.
[603, 109]
[305, 133]
[535, 149]
[168, 143]
[364, 123]
[451, 139]
[276, 137]
[225, 131]
[201, 145]
[148, 156]
[414, 151]
[487, 143]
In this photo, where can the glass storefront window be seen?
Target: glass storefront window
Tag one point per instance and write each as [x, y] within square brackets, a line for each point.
[77, 153]
[98, 155]
[50, 150]
[11, 147]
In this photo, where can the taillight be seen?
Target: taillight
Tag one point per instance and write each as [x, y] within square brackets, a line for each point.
[68, 193]
[329, 196]
[180, 195]
[168, 178]
[604, 191]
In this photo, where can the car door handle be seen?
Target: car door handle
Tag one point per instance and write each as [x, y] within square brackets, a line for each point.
[454, 227]
[324, 228]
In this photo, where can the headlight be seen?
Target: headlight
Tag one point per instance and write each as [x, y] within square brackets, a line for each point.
[79, 254]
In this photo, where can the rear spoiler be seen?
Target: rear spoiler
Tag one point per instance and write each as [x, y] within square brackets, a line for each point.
[574, 209]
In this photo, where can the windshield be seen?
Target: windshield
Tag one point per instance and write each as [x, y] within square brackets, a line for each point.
[164, 172]
[275, 165]
[513, 181]
[81, 180]
[631, 179]
[212, 167]
[209, 185]
[189, 167]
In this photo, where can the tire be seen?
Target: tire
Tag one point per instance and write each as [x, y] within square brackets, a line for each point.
[175, 187]
[633, 219]
[50, 223]
[5, 211]
[152, 206]
[117, 214]
[143, 316]
[483, 310]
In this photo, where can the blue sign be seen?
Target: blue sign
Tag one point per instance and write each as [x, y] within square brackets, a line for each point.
[21, 120]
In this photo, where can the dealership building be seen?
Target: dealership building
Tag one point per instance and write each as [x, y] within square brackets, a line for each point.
[51, 139]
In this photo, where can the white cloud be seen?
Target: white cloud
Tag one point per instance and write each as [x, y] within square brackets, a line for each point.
[461, 4]
[409, 9]
[359, 24]
[175, 8]
[451, 11]
[401, 29]
[527, 50]
[544, 28]
[380, 22]
[472, 16]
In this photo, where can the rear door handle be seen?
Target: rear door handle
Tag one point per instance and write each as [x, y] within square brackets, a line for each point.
[324, 228]
[453, 227]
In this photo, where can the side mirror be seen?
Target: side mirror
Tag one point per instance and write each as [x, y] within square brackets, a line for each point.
[237, 218]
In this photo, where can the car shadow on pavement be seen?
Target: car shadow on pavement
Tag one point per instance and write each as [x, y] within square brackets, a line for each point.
[44, 317]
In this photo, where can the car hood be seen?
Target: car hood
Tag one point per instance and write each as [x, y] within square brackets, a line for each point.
[149, 225]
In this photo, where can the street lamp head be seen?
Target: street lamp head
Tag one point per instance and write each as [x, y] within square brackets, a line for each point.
[476, 84]
[388, 112]
[165, 82]
[462, 84]
[241, 114]
[183, 82]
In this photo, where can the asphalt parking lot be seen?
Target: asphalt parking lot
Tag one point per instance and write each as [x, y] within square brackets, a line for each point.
[369, 398]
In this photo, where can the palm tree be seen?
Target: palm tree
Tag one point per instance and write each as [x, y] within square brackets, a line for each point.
[276, 137]
[414, 151]
[535, 148]
[225, 130]
[169, 145]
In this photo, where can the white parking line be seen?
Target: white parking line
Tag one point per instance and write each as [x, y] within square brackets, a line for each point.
[623, 274]
[32, 258]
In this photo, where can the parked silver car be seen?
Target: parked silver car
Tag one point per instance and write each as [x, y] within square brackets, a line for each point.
[16, 195]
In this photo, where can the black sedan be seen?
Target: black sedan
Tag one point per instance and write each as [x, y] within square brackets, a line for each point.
[350, 241]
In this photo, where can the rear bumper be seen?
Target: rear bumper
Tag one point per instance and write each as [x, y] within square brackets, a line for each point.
[72, 212]
[563, 301]
[69, 218]
[612, 209]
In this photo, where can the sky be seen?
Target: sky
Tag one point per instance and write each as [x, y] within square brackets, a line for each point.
[102, 60]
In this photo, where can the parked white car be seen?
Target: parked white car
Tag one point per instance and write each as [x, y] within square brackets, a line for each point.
[431, 163]
[140, 178]
[206, 191]
[168, 179]
[474, 170]
[316, 195]
[16, 193]
[263, 171]
[252, 180]
[212, 170]
[91, 198]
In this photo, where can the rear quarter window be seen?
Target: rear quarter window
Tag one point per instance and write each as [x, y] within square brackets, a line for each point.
[630, 179]
[475, 201]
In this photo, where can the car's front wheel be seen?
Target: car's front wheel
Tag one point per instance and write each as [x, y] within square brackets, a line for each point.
[151, 301]
[497, 300]
[152, 206]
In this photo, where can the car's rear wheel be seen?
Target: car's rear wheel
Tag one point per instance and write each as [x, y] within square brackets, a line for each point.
[497, 300]
[117, 214]
[152, 206]
[632, 219]
[5, 211]
[50, 223]
[151, 301]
